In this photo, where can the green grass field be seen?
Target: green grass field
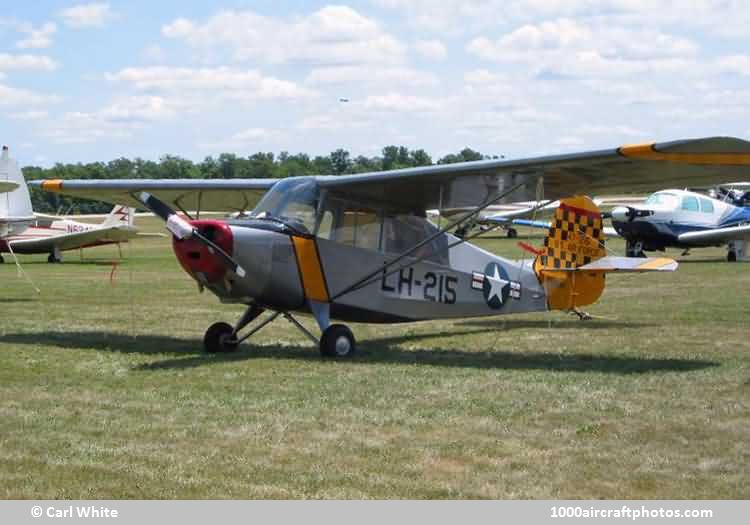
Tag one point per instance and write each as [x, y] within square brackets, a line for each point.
[105, 393]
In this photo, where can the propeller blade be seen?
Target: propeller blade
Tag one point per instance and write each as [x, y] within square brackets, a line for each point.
[216, 249]
[182, 229]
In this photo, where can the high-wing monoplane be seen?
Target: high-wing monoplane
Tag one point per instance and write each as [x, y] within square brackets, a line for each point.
[23, 231]
[359, 248]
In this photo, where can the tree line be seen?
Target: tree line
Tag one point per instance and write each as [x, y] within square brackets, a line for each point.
[225, 166]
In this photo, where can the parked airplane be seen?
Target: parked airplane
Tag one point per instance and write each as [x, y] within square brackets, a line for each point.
[359, 247]
[23, 231]
[686, 219]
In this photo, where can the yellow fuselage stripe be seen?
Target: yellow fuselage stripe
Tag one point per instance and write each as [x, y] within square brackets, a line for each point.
[310, 269]
[647, 152]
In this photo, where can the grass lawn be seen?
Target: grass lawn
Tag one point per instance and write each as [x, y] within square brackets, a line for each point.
[105, 393]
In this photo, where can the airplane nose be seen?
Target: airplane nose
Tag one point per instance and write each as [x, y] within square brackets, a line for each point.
[620, 214]
[197, 258]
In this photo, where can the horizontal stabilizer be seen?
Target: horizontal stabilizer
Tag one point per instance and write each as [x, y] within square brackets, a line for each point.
[6, 186]
[630, 264]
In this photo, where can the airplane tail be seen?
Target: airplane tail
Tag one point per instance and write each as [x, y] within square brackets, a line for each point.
[14, 204]
[573, 263]
[120, 216]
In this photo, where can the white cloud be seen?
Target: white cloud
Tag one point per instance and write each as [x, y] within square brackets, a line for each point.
[87, 15]
[431, 49]
[29, 115]
[392, 76]
[220, 82]
[403, 103]
[726, 18]
[568, 47]
[246, 139]
[737, 64]
[14, 97]
[79, 127]
[26, 62]
[37, 38]
[332, 35]
[140, 109]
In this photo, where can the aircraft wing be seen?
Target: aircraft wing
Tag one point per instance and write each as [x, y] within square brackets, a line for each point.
[71, 241]
[608, 230]
[639, 168]
[188, 194]
[717, 235]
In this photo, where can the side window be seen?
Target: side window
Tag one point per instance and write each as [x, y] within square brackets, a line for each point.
[403, 232]
[707, 206]
[325, 228]
[348, 223]
[690, 204]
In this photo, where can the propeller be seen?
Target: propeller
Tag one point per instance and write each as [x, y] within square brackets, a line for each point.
[182, 230]
[626, 214]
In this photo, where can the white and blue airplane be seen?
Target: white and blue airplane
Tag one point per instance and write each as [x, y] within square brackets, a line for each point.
[678, 219]
[687, 219]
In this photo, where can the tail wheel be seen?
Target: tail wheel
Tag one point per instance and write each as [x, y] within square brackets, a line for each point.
[337, 341]
[219, 338]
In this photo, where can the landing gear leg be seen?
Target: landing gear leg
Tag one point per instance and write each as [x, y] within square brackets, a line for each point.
[222, 337]
[55, 256]
[634, 249]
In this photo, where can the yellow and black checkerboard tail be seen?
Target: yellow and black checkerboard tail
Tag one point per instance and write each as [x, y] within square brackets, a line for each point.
[575, 238]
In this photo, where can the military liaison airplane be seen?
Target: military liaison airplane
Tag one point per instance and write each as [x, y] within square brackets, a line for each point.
[358, 248]
[23, 231]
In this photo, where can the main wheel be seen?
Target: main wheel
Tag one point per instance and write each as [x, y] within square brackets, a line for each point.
[217, 339]
[512, 233]
[337, 341]
[2, 260]
[732, 256]
[52, 259]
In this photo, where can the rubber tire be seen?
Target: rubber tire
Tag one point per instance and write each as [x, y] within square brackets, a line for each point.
[51, 259]
[331, 344]
[2, 259]
[512, 233]
[731, 257]
[214, 341]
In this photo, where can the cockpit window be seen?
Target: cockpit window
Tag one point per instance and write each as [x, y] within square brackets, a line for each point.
[663, 200]
[707, 206]
[293, 201]
[690, 204]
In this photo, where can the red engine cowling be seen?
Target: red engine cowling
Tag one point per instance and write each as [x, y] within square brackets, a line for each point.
[196, 258]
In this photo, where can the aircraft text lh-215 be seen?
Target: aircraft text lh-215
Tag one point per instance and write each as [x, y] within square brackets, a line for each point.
[359, 247]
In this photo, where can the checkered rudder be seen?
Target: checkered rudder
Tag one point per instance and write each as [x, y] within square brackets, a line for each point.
[575, 236]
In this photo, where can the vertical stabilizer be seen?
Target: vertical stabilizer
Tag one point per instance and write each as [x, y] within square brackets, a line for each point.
[120, 216]
[575, 238]
[15, 204]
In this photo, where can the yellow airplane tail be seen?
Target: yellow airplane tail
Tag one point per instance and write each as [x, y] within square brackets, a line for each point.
[573, 262]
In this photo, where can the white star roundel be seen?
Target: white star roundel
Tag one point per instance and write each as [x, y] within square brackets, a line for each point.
[496, 286]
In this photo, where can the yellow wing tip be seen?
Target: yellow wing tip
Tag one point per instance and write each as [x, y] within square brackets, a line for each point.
[54, 185]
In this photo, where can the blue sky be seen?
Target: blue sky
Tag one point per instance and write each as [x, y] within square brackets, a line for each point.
[97, 81]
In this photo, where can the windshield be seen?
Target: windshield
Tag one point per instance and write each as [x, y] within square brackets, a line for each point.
[663, 200]
[293, 201]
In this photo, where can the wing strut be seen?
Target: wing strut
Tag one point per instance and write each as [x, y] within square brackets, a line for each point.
[365, 280]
